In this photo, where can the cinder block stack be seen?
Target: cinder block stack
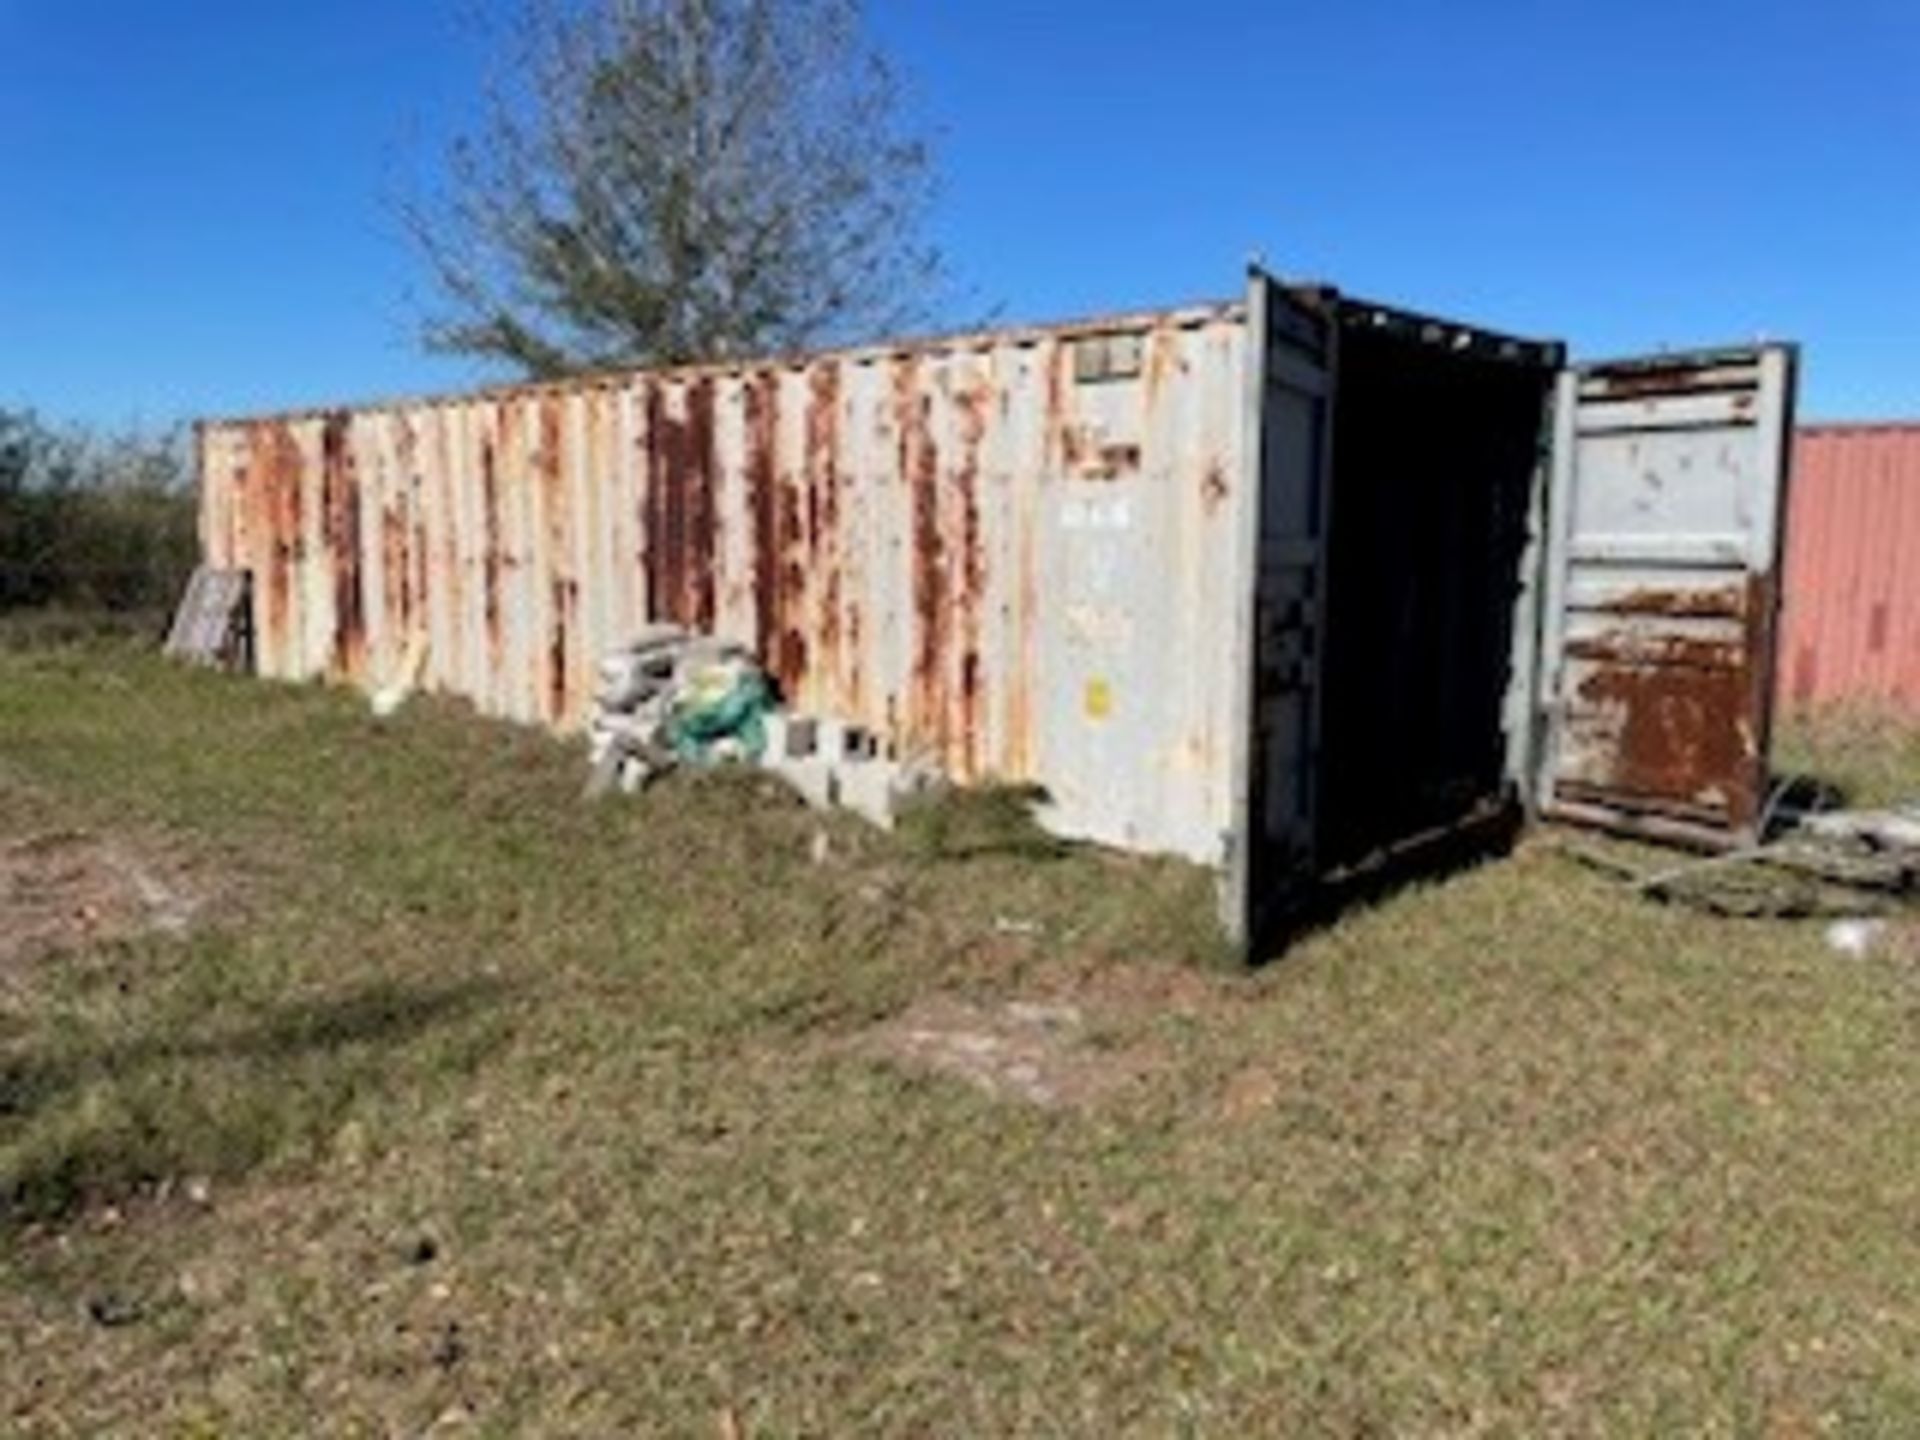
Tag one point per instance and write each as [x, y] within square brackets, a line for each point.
[651, 689]
[629, 741]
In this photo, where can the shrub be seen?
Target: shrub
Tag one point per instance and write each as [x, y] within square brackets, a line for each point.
[91, 521]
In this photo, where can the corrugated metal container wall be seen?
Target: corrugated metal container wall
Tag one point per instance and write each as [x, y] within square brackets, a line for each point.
[1011, 554]
[1850, 619]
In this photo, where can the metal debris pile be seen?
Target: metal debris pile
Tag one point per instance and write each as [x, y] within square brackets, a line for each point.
[1838, 862]
[674, 698]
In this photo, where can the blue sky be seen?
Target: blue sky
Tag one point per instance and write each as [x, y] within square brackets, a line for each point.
[193, 216]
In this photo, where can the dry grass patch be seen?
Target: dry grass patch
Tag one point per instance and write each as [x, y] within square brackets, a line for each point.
[1039, 1052]
[65, 890]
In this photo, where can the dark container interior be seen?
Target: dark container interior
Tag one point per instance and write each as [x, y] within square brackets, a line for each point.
[1438, 434]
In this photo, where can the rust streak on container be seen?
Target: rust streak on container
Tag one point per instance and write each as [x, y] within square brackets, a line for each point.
[1062, 441]
[1213, 488]
[1162, 357]
[760, 397]
[790, 584]
[404, 503]
[420, 566]
[1680, 378]
[553, 502]
[975, 407]
[642, 406]
[1728, 602]
[453, 579]
[703, 521]
[682, 532]
[664, 524]
[394, 589]
[340, 503]
[1019, 746]
[560, 592]
[1111, 462]
[236, 536]
[1685, 652]
[919, 462]
[491, 559]
[277, 482]
[823, 494]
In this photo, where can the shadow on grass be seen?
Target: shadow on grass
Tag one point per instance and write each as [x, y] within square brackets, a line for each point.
[1424, 860]
[92, 1120]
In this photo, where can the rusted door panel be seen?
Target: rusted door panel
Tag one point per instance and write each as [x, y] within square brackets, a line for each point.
[1289, 451]
[1668, 486]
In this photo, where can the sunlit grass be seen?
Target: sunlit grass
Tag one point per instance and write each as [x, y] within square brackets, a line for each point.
[467, 1101]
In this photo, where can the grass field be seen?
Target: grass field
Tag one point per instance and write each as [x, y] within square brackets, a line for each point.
[429, 1098]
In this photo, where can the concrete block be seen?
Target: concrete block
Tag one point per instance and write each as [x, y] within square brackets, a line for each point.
[790, 737]
[816, 780]
[869, 789]
[840, 741]
[803, 737]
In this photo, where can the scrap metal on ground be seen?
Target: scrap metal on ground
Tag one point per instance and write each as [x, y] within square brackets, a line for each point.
[214, 622]
[1833, 862]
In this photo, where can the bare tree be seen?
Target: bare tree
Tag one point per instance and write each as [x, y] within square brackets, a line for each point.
[659, 181]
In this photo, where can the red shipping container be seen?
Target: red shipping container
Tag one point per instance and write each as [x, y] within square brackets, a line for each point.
[1850, 617]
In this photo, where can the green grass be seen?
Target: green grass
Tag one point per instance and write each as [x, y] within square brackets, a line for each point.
[1510, 1153]
[54, 627]
[1868, 756]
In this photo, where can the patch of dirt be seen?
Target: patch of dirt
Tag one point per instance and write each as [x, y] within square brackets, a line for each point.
[62, 890]
[1255, 1089]
[1038, 1053]
[1135, 990]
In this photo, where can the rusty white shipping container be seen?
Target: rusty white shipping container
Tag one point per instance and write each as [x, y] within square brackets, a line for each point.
[1281, 585]
[1011, 554]
[1851, 622]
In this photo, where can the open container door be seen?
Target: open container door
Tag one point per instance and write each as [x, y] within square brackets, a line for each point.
[1662, 585]
[1273, 858]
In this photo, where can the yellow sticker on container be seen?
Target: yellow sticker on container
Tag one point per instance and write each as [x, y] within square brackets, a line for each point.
[1099, 699]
